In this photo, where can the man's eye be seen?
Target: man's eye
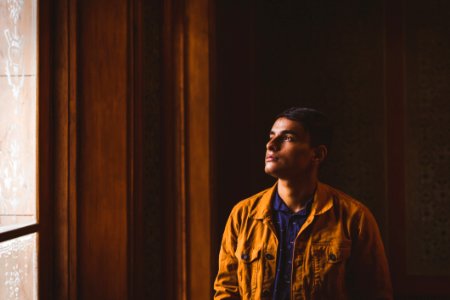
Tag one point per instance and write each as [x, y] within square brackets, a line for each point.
[287, 138]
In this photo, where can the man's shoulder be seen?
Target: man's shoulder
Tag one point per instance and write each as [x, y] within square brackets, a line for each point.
[251, 205]
[346, 202]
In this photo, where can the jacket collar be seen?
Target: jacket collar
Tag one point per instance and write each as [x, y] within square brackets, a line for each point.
[322, 202]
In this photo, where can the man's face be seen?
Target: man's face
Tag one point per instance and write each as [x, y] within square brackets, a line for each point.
[289, 154]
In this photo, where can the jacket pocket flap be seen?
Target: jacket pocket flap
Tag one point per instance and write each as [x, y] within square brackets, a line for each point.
[248, 255]
[336, 254]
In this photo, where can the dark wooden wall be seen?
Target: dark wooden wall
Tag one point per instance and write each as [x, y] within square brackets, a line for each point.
[108, 209]
[161, 113]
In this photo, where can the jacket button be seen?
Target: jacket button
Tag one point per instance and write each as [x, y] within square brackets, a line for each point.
[266, 293]
[269, 256]
[244, 256]
[332, 257]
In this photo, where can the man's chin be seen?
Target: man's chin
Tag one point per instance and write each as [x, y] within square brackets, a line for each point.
[271, 171]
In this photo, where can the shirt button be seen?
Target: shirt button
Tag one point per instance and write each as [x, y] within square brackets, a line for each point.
[332, 257]
[244, 256]
[269, 256]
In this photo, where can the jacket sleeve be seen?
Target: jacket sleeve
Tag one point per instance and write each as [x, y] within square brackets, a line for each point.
[369, 271]
[226, 283]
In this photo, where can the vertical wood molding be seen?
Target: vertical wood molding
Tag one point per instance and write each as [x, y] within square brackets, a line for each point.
[187, 145]
[174, 149]
[60, 74]
[44, 157]
[72, 55]
[134, 152]
[198, 151]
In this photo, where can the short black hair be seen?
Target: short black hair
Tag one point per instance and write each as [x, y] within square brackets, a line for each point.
[314, 122]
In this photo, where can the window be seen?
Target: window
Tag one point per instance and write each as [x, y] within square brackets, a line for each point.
[19, 227]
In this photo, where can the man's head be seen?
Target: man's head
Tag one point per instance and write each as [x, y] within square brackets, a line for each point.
[298, 143]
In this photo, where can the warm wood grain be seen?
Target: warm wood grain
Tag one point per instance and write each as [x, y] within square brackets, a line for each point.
[45, 152]
[102, 145]
[72, 141]
[173, 145]
[61, 153]
[199, 140]
[187, 148]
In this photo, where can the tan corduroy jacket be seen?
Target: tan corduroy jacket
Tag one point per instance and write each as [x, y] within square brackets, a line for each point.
[338, 252]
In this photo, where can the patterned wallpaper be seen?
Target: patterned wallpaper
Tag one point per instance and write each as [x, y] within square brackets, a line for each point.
[427, 138]
[330, 57]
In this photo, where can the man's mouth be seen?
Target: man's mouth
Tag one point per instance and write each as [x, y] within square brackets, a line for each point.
[270, 158]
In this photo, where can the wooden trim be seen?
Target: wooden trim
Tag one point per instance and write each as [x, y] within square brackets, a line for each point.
[187, 94]
[214, 249]
[135, 156]
[18, 232]
[60, 102]
[173, 146]
[198, 149]
[72, 22]
[44, 155]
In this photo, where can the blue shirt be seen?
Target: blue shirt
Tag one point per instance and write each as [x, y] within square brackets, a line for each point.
[287, 225]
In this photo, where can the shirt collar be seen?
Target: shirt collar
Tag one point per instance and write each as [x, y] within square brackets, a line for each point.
[323, 201]
[279, 205]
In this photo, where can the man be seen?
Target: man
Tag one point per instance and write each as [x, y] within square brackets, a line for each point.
[301, 239]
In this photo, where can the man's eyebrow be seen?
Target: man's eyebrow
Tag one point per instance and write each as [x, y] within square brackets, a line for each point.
[286, 132]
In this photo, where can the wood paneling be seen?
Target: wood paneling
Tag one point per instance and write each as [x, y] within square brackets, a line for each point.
[61, 145]
[198, 151]
[102, 161]
[187, 94]
[45, 151]
[97, 80]
[174, 171]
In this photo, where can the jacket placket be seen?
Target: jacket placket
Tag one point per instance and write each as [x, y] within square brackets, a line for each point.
[267, 221]
[308, 222]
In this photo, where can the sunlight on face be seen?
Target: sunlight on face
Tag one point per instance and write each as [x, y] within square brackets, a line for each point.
[288, 151]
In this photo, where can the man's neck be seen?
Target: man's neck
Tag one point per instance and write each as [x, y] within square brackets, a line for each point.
[296, 193]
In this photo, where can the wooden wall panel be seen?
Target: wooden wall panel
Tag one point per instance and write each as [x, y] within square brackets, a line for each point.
[198, 155]
[61, 146]
[107, 150]
[187, 148]
[102, 173]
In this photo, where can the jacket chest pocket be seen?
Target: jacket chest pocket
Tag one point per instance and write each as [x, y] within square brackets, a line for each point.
[329, 266]
[249, 264]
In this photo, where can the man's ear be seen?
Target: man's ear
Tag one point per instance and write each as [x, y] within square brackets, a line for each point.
[320, 153]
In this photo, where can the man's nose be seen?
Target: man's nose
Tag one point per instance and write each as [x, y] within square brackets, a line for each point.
[272, 144]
